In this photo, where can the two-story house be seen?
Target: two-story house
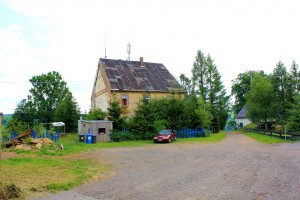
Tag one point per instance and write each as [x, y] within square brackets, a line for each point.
[129, 81]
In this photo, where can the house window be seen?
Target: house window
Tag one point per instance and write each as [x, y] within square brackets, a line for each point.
[124, 100]
[147, 99]
[101, 131]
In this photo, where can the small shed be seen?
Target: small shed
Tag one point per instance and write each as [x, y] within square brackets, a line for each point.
[101, 129]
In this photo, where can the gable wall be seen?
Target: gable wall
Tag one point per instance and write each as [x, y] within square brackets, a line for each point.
[101, 93]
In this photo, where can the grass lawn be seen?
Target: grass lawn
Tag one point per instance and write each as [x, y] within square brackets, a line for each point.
[36, 174]
[267, 139]
[50, 169]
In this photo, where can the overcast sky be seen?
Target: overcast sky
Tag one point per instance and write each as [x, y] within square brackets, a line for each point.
[68, 36]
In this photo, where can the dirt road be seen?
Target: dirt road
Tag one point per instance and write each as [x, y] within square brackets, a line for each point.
[236, 168]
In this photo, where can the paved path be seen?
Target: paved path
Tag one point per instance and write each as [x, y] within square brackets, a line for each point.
[236, 168]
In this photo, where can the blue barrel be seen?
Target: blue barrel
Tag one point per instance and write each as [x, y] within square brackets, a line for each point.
[89, 138]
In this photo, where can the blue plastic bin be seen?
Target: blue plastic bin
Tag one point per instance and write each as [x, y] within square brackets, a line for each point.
[89, 138]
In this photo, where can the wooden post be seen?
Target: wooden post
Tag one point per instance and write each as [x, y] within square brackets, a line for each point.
[284, 132]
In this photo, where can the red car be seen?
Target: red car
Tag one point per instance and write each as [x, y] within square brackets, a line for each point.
[165, 136]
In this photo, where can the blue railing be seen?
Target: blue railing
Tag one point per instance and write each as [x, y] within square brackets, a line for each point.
[190, 133]
[184, 133]
[54, 137]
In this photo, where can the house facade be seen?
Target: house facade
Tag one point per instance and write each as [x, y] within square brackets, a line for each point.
[241, 119]
[129, 81]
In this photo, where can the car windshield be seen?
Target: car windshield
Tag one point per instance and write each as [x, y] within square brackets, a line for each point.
[165, 132]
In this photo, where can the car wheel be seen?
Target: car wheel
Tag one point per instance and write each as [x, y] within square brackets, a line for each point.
[174, 138]
[169, 140]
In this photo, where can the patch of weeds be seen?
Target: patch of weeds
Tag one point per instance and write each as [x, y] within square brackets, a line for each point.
[28, 141]
[22, 151]
[13, 191]
[33, 189]
[9, 191]
[51, 150]
[3, 194]
[53, 187]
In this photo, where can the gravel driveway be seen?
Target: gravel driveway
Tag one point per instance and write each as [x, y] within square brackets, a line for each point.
[236, 168]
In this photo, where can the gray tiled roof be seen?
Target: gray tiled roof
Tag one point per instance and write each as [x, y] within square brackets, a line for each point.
[131, 76]
[242, 113]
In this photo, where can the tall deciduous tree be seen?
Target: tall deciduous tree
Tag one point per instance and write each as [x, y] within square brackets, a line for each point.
[203, 113]
[295, 78]
[199, 75]
[216, 95]
[186, 83]
[68, 112]
[115, 115]
[240, 87]
[282, 88]
[47, 91]
[293, 123]
[207, 84]
[260, 101]
[26, 111]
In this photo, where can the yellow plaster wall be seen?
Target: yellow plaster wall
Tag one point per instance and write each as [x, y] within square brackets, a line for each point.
[135, 97]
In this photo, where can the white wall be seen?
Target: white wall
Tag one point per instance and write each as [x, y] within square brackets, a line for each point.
[245, 121]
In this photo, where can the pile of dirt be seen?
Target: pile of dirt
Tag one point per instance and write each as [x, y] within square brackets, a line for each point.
[26, 142]
[34, 144]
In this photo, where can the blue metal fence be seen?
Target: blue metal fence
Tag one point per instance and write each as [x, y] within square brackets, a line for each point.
[54, 137]
[190, 133]
[125, 134]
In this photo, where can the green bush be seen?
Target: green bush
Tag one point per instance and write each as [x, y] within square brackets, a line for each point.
[125, 136]
[39, 129]
[251, 126]
[5, 136]
[131, 136]
[160, 125]
[206, 133]
[28, 140]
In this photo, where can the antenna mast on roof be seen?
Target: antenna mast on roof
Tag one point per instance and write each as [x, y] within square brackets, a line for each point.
[128, 51]
[105, 47]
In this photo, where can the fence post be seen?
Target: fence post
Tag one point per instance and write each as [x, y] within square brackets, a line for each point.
[33, 135]
[285, 133]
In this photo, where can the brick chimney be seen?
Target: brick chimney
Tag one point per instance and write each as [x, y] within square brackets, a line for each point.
[142, 62]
